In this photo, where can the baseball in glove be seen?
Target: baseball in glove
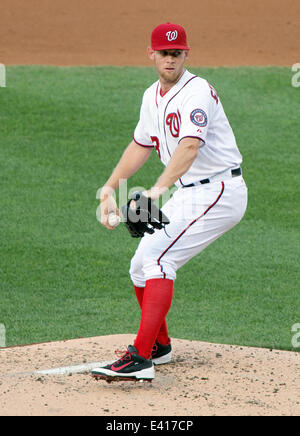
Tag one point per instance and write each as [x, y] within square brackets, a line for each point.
[143, 217]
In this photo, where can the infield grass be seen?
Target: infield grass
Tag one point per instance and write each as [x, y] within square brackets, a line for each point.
[62, 130]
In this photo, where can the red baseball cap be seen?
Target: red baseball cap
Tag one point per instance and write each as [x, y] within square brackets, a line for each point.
[169, 36]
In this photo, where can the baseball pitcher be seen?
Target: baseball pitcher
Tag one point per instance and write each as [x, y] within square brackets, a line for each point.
[183, 119]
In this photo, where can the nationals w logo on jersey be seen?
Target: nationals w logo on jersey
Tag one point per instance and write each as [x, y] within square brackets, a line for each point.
[172, 35]
[173, 120]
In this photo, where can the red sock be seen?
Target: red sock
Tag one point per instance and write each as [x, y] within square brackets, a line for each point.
[139, 292]
[163, 335]
[157, 301]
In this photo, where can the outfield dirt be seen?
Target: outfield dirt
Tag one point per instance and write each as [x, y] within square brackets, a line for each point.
[97, 32]
[203, 379]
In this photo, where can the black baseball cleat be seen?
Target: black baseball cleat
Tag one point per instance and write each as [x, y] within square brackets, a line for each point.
[161, 353]
[130, 367]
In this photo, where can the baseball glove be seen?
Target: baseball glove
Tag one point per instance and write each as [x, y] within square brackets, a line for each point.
[143, 217]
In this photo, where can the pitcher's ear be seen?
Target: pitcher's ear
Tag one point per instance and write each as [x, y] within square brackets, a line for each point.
[150, 52]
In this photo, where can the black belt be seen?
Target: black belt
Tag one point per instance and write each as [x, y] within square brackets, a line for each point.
[235, 173]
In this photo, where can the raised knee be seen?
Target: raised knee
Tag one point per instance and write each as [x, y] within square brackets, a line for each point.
[136, 271]
[154, 267]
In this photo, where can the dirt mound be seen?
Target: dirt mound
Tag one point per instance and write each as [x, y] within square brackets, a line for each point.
[203, 379]
[94, 32]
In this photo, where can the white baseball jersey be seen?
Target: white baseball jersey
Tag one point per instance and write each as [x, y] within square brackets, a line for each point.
[191, 108]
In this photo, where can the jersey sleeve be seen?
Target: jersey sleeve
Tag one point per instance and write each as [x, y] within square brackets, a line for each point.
[196, 113]
[141, 133]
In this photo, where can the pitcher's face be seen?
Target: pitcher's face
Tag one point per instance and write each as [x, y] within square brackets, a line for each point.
[169, 64]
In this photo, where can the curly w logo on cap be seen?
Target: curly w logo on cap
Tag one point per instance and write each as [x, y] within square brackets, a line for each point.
[172, 35]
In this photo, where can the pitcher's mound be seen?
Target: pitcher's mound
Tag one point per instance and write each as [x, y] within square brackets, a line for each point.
[203, 379]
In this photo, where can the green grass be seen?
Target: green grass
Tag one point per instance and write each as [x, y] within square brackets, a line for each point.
[62, 275]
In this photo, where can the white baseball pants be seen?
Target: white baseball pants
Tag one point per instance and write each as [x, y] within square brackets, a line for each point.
[198, 216]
